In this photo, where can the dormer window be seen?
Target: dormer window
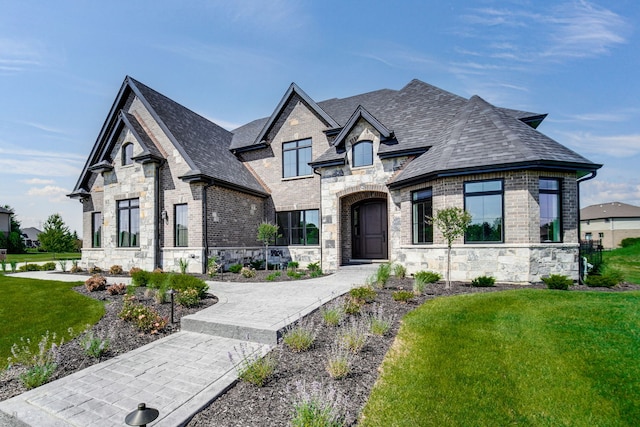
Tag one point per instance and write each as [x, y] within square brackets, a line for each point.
[127, 154]
[362, 154]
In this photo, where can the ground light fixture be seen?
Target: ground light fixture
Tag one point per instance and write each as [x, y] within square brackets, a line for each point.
[141, 416]
[171, 293]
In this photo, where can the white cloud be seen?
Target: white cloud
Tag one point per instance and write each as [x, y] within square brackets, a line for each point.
[51, 192]
[612, 145]
[39, 167]
[19, 55]
[598, 191]
[38, 181]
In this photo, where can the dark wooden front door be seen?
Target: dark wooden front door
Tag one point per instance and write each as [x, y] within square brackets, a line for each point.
[369, 229]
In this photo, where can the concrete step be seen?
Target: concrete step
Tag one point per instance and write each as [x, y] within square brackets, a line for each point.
[228, 330]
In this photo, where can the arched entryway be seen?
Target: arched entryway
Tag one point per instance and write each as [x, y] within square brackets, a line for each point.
[369, 229]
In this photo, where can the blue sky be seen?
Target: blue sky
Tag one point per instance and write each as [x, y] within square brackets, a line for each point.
[62, 64]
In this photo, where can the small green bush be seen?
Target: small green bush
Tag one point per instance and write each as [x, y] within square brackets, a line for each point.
[29, 267]
[315, 273]
[182, 282]
[293, 265]
[630, 241]
[483, 282]
[294, 274]
[557, 281]
[189, 297]
[272, 276]
[146, 319]
[400, 271]
[609, 278]
[427, 276]
[37, 375]
[93, 346]
[402, 295]
[48, 266]
[157, 279]
[364, 294]
[140, 277]
[352, 306]
[235, 268]
[313, 266]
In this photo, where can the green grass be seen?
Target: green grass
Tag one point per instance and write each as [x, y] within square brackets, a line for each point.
[42, 256]
[626, 260]
[28, 308]
[524, 357]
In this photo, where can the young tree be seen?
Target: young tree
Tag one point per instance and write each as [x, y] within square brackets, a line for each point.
[13, 241]
[267, 233]
[56, 236]
[452, 223]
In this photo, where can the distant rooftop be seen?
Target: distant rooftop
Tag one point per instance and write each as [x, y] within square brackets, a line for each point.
[610, 210]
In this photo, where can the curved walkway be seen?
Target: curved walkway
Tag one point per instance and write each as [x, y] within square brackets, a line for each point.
[181, 373]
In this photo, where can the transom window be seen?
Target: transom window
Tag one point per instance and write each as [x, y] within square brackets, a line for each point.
[96, 230]
[296, 156]
[422, 211]
[181, 234]
[298, 227]
[127, 154]
[129, 223]
[483, 200]
[550, 218]
[362, 154]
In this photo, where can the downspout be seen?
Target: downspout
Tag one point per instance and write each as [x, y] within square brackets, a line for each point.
[205, 229]
[315, 171]
[159, 221]
[588, 177]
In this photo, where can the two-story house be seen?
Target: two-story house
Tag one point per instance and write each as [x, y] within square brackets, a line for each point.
[347, 180]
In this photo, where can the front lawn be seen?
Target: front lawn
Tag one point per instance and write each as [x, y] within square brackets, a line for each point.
[524, 357]
[35, 256]
[29, 308]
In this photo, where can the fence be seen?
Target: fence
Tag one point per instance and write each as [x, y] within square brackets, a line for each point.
[590, 256]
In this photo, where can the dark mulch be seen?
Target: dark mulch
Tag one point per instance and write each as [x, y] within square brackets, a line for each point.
[123, 337]
[248, 405]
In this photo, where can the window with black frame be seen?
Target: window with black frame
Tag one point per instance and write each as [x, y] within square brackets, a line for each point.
[128, 223]
[298, 227]
[550, 218]
[362, 154]
[181, 225]
[127, 154]
[421, 212]
[296, 156]
[96, 230]
[483, 200]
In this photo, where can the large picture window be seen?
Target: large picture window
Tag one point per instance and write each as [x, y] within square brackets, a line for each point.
[96, 230]
[181, 225]
[483, 200]
[298, 227]
[296, 156]
[363, 154]
[422, 210]
[129, 223]
[550, 224]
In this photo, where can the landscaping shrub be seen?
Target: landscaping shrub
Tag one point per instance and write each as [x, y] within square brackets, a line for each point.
[609, 278]
[181, 282]
[400, 271]
[115, 269]
[48, 266]
[427, 276]
[144, 318]
[95, 270]
[189, 297]
[382, 274]
[235, 268]
[294, 274]
[29, 267]
[339, 361]
[271, 277]
[557, 281]
[293, 265]
[40, 365]
[156, 279]
[317, 407]
[257, 264]
[315, 273]
[254, 368]
[402, 295]
[93, 346]
[299, 337]
[248, 272]
[213, 266]
[629, 241]
[75, 268]
[96, 283]
[313, 266]
[140, 277]
[352, 306]
[363, 294]
[117, 289]
[134, 270]
[483, 282]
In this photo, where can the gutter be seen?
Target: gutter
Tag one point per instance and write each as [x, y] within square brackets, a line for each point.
[587, 177]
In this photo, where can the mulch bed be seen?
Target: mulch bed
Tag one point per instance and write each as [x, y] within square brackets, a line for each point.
[247, 405]
[123, 336]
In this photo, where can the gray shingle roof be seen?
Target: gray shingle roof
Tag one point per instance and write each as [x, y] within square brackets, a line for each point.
[610, 210]
[484, 137]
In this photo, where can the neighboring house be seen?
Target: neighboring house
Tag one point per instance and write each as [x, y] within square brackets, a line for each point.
[610, 223]
[346, 180]
[30, 237]
[5, 220]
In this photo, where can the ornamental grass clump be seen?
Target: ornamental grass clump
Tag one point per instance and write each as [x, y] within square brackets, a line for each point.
[379, 322]
[41, 364]
[382, 274]
[339, 361]
[317, 405]
[400, 271]
[353, 336]
[253, 367]
[332, 314]
[402, 295]
[299, 337]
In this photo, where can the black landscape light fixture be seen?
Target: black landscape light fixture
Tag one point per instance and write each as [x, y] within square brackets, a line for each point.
[171, 293]
[141, 416]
